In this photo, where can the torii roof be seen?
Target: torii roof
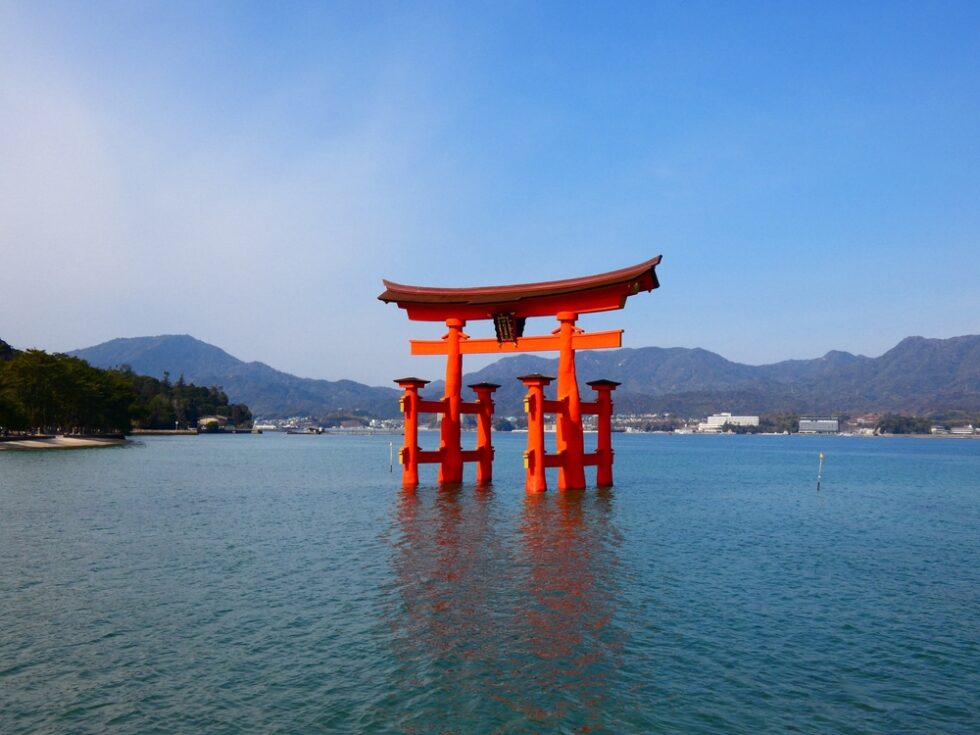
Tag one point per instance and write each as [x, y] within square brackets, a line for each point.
[601, 292]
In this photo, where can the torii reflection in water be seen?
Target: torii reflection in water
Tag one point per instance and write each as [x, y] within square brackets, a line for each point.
[506, 623]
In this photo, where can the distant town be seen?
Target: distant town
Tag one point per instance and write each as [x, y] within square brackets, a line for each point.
[871, 424]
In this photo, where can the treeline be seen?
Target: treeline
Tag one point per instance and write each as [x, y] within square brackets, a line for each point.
[59, 393]
[903, 424]
[161, 404]
[895, 424]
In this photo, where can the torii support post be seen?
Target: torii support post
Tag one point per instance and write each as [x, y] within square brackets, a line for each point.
[604, 450]
[568, 430]
[534, 458]
[451, 466]
[409, 454]
[484, 419]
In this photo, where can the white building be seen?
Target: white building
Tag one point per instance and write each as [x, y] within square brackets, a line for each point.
[819, 425]
[714, 424]
[962, 430]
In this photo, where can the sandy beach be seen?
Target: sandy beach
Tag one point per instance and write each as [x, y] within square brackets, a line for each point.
[61, 442]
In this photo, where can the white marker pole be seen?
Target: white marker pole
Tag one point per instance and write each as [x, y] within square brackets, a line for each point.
[391, 456]
[820, 472]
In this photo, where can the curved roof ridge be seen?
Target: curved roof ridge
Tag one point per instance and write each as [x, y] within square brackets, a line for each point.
[406, 294]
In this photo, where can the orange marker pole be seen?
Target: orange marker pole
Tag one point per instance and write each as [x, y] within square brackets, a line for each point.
[484, 419]
[451, 467]
[604, 450]
[569, 439]
[409, 454]
[535, 480]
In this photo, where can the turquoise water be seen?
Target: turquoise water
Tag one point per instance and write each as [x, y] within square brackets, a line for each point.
[285, 584]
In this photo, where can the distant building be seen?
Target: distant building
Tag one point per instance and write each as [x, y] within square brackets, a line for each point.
[216, 420]
[962, 430]
[212, 424]
[714, 424]
[819, 425]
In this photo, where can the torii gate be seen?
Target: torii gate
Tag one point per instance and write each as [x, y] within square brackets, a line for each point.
[509, 307]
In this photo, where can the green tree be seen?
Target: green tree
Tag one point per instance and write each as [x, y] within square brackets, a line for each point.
[57, 392]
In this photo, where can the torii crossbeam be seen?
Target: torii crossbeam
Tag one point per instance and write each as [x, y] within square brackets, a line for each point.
[509, 307]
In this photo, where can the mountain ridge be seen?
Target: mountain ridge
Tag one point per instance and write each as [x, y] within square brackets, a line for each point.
[917, 375]
[268, 392]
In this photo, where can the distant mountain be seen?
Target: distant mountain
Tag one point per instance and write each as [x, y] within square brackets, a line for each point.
[268, 392]
[917, 376]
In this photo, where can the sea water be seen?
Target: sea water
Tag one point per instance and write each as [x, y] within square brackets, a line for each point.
[260, 584]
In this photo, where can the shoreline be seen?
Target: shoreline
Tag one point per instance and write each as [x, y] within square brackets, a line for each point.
[61, 442]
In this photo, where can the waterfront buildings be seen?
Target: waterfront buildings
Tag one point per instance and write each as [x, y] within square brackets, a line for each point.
[714, 424]
[819, 425]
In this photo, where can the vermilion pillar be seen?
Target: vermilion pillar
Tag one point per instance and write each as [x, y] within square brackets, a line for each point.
[534, 457]
[451, 466]
[484, 419]
[604, 450]
[569, 439]
[410, 450]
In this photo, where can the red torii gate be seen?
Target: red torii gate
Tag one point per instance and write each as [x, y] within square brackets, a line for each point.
[509, 307]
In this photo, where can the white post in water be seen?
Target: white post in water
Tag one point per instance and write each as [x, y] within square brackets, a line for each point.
[819, 471]
[391, 456]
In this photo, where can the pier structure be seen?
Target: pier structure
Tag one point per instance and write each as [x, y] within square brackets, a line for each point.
[509, 308]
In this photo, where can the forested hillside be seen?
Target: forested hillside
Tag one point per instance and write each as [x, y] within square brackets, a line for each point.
[40, 391]
[270, 393]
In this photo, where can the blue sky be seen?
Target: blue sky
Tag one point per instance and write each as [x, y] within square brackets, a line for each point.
[247, 173]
